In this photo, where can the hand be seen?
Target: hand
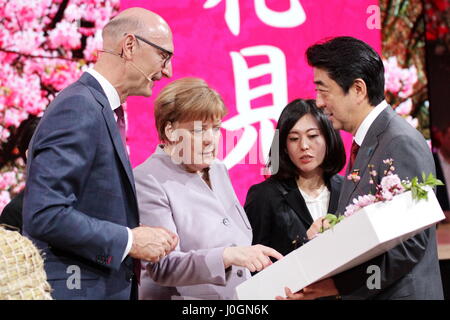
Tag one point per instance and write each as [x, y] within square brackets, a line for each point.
[322, 288]
[315, 228]
[152, 243]
[447, 216]
[254, 258]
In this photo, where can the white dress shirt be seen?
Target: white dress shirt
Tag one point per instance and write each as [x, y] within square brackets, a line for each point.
[367, 122]
[114, 102]
[318, 206]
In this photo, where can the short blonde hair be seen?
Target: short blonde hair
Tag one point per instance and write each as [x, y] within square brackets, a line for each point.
[187, 99]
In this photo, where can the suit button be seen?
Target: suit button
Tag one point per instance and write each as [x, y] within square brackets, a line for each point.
[129, 276]
[225, 221]
[240, 273]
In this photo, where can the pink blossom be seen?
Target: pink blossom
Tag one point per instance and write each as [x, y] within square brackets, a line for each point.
[363, 201]
[351, 209]
[28, 84]
[93, 44]
[358, 203]
[399, 80]
[19, 162]
[27, 41]
[7, 179]
[74, 12]
[64, 35]
[412, 121]
[4, 134]
[18, 188]
[409, 78]
[4, 199]
[59, 74]
[405, 107]
[390, 181]
[386, 195]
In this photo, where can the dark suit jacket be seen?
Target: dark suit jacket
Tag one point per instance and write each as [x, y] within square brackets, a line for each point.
[12, 213]
[410, 270]
[441, 191]
[80, 195]
[279, 215]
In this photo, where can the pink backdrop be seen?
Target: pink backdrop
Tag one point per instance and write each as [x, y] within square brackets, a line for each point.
[255, 59]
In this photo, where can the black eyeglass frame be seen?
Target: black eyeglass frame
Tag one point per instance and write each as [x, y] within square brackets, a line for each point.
[169, 53]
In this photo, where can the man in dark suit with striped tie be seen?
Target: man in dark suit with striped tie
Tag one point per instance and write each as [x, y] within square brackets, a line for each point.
[80, 204]
[349, 78]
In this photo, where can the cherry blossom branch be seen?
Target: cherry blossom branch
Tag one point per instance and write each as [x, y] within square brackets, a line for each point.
[38, 56]
[59, 15]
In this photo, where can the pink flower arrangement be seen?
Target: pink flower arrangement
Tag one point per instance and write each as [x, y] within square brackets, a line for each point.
[358, 203]
[390, 186]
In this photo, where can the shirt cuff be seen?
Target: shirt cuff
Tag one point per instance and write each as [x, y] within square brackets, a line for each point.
[129, 243]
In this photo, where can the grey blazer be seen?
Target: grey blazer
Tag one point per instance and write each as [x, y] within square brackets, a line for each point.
[410, 270]
[205, 220]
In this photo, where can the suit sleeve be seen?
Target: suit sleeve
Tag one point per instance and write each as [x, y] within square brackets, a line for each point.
[258, 206]
[411, 158]
[177, 268]
[63, 151]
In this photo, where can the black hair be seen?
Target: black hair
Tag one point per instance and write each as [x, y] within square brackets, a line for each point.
[25, 133]
[346, 59]
[334, 159]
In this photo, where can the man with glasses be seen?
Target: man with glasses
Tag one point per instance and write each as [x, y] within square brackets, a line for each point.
[80, 203]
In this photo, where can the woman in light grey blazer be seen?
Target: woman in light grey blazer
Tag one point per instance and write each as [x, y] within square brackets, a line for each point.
[184, 188]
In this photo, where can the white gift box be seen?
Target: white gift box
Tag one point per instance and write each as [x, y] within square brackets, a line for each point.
[366, 234]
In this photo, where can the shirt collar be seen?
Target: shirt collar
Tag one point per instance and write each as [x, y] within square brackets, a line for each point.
[110, 91]
[367, 122]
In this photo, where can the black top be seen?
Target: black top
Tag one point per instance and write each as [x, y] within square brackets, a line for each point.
[279, 215]
[12, 213]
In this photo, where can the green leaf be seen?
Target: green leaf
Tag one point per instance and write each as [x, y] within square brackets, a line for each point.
[332, 220]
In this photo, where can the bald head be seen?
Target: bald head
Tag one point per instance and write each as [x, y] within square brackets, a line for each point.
[136, 21]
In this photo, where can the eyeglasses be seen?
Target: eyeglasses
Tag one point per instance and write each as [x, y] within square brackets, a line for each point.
[168, 53]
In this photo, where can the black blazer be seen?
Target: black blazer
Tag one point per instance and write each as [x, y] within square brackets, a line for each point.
[278, 214]
[441, 191]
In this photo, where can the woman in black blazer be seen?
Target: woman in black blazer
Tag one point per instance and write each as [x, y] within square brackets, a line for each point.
[305, 157]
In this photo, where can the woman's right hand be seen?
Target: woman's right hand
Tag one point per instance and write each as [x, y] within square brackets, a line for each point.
[317, 227]
[254, 258]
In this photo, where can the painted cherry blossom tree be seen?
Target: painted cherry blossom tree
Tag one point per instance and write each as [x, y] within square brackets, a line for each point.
[403, 46]
[44, 46]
